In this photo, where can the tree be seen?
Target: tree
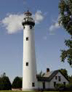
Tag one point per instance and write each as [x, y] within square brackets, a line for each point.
[3, 75]
[17, 83]
[70, 79]
[64, 72]
[5, 83]
[41, 74]
[65, 7]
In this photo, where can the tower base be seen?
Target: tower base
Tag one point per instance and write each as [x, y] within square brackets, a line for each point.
[30, 89]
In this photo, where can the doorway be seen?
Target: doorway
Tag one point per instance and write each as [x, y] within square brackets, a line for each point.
[43, 85]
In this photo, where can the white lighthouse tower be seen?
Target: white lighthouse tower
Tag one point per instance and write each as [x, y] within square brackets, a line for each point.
[29, 59]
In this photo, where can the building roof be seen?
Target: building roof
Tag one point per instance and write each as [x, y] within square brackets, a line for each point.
[49, 76]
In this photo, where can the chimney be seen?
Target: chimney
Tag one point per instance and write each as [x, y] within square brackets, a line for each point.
[47, 70]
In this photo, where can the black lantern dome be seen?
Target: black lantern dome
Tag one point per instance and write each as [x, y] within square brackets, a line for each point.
[28, 20]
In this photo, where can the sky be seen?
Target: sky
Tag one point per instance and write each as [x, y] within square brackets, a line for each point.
[49, 36]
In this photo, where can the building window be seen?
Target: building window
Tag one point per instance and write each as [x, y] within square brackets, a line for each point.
[27, 63]
[56, 77]
[64, 83]
[30, 27]
[27, 38]
[54, 84]
[59, 78]
[33, 84]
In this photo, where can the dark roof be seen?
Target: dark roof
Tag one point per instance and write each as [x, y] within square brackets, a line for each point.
[42, 78]
[28, 13]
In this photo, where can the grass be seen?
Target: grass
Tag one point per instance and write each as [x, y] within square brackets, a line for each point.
[31, 91]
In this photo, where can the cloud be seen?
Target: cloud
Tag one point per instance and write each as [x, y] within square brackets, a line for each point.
[38, 17]
[13, 22]
[55, 25]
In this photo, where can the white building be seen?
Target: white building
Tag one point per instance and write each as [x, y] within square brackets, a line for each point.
[50, 79]
[29, 59]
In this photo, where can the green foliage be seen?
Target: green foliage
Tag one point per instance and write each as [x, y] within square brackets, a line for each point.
[67, 54]
[69, 87]
[65, 7]
[5, 83]
[17, 83]
[70, 78]
[64, 72]
[60, 87]
[41, 74]
[63, 87]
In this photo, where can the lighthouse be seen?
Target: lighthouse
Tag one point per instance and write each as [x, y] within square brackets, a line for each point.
[29, 58]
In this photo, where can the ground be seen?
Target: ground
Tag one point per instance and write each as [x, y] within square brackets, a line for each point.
[33, 91]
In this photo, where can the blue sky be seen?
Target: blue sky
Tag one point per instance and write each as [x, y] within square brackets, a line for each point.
[49, 36]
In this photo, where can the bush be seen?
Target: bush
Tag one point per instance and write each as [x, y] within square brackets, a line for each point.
[17, 83]
[60, 87]
[69, 87]
[5, 83]
[63, 87]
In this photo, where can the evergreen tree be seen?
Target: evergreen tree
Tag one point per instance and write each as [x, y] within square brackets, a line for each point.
[65, 7]
[5, 83]
[17, 83]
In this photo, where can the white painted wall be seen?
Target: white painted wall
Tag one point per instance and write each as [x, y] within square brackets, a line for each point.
[40, 85]
[63, 79]
[51, 83]
[47, 85]
[29, 72]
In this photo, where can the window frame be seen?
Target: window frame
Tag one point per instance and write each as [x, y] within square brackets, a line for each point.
[33, 84]
[27, 38]
[56, 77]
[30, 27]
[59, 78]
[27, 63]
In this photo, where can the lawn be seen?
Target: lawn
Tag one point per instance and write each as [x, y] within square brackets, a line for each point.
[32, 91]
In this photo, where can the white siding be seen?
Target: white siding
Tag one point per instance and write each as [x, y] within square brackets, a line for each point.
[30, 71]
[63, 79]
[47, 85]
[40, 85]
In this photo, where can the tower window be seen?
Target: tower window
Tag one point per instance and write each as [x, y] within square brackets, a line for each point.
[27, 63]
[30, 27]
[27, 38]
[33, 84]
[24, 27]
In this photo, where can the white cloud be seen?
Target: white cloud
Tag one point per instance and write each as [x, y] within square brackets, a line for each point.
[55, 26]
[13, 22]
[38, 17]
